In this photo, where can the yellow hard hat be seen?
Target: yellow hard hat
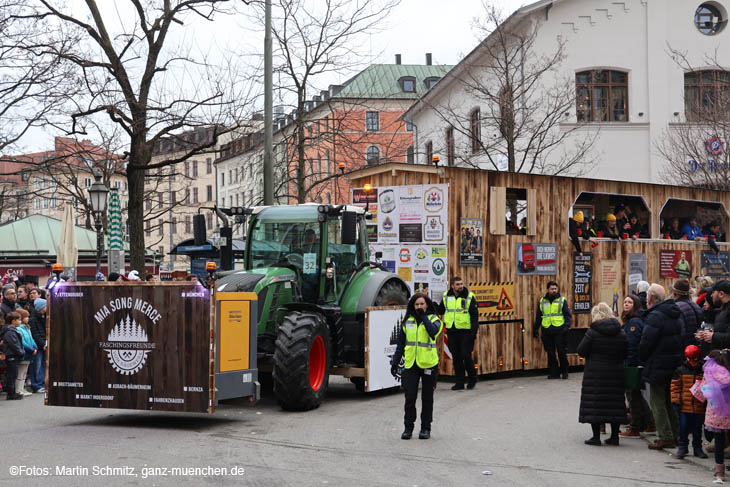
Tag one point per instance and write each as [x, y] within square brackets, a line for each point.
[578, 216]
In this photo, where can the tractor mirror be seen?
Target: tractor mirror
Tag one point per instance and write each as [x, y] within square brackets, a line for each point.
[199, 229]
[349, 228]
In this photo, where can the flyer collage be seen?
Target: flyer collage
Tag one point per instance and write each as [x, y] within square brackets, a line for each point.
[410, 228]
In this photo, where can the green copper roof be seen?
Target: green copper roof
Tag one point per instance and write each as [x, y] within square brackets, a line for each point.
[382, 81]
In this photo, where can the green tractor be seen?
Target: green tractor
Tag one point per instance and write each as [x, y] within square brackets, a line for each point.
[310, 267]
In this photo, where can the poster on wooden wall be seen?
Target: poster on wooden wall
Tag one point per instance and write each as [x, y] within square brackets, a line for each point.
[495, 298]
[538, 259]
[716, 266]
[609, 284]
[130, 346]
[471, 247]
[637, 271]
[674, 264]
[582, 275]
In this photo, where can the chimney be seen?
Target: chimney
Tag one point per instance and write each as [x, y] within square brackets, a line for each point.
[325, 95]
[428, 59]
[397, 59]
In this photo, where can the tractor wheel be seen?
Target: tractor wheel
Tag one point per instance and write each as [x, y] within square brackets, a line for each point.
[392, 294]
[302, 361]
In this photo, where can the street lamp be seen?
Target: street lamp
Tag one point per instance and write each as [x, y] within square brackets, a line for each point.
[97, 197]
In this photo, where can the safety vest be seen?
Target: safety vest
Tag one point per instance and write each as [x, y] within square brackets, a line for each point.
[420, 347]
[552, 312]
[456, 314]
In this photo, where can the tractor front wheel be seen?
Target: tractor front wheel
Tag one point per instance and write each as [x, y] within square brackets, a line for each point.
[302, 361]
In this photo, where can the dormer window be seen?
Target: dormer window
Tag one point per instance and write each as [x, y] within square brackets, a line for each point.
[430, 82]
[408, 84]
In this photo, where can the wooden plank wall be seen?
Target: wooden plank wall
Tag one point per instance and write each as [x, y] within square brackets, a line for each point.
[469, 196]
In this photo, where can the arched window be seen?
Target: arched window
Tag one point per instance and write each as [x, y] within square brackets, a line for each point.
[602, 96]
[475, 130]
[372, 155]
[707, 95]
[408, 84]
[430, 82]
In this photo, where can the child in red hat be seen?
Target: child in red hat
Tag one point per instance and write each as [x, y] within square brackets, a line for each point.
[691, 410]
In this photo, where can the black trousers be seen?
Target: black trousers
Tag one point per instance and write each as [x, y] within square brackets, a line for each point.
[409, 382]
[11, 375]
[461, 345]
[556, 343]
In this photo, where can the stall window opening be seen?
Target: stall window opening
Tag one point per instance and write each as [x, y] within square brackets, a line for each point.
[614, 216]
[693, 220]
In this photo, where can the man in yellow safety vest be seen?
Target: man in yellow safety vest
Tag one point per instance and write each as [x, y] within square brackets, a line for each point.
[553, 316]
[459, 309]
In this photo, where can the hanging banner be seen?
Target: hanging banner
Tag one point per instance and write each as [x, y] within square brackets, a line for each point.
[582, 274]
[609, 283]
[674, 264]
[715, 266]
[540, 259]
[495, 298]
[637, 271]
[471, 250]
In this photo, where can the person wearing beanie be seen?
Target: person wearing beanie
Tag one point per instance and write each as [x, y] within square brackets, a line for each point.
[114, 277]
[691, 410]
[691, 313]
[610, 230]
[574, 231]
[133, 276]
[37, 325]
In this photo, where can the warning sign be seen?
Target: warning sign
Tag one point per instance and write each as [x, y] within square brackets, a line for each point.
[495, 298]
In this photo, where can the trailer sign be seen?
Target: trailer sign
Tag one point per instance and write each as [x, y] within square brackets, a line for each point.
[582, 274]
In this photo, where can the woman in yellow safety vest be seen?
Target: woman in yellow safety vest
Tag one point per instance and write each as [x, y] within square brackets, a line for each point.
[417, 347]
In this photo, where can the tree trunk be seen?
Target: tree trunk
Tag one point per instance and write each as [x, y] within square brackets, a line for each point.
[301, 156]
[135, 215]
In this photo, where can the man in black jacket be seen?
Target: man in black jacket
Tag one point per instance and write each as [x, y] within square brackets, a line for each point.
[718, 337]
[553, 316]
[460, 312]
[661, 351]
[9, 302]
[692, 314]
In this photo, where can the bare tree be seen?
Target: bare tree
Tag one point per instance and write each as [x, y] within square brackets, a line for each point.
[524, 99]
[313, 38]
[151, 90]
[696, 149]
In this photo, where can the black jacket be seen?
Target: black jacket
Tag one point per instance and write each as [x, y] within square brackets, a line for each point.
[721, 337]
[633, 329]
[553, 330]
[661, 342]
[604, 346]
[7, 306]
[12, 342]
[473, 311]
[692, 317]
[37, 323]
[642, 298]
[573, 233]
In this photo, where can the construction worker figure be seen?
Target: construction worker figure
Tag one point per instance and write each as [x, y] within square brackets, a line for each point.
[459, 309]
[553, 316]
[417, 345]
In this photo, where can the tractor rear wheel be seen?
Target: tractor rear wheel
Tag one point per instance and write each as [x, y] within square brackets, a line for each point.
[392, 294]
[302, 361]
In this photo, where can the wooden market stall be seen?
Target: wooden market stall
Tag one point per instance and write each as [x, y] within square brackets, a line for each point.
[546, 202]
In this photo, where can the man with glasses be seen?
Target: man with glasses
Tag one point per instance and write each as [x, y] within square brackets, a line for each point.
[9, 302]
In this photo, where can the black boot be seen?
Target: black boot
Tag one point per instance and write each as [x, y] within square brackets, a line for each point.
[424, 434]
[12, 397]
[472, 383]
[407, 433]
[457, 387]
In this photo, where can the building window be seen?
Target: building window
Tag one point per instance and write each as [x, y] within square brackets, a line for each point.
[409, 126]
[147, 227]
[450, 155]
[409, 154]
[429, 152]
[159, 227]
[372, 155]
[209, 220]
[45, 202]
[475, 131]
[37, 203]
[37, 183]
[53, 202]
[372, 121]
[195, 169]
[173, 225]
[173, 197]
[707, 95]
[187, 224]
[602, 96]
[87, 183]
[710, 18]
[209, 193]
[223, 179]
[187, 169]
[159, 200]
[408, 84]
[430, 82]
[208, 166]
[187, 196]
[148, 204]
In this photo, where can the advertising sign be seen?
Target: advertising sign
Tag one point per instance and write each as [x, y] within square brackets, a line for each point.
[637, 270]
[471, 248]
[537, 259]
[716, 266]
[382, 325]
[675, 263]
[495, 298]
[122, 346]
[582, 275]
[609, 284]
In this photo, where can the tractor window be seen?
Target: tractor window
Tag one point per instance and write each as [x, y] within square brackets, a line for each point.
[345, 258]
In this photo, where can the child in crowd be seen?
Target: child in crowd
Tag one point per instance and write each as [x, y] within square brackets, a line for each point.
[30, 350]
[691, 411]
[715, 389]
[13, 351]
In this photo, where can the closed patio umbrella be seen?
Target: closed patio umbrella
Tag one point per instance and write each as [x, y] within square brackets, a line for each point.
[68, 250]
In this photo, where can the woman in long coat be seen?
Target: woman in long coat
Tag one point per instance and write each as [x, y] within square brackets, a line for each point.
[604, 347]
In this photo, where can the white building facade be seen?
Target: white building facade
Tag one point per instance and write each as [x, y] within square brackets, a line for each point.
[629, 89]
